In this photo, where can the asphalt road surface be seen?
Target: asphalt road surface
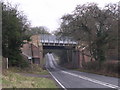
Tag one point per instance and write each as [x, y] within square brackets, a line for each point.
[76, 79]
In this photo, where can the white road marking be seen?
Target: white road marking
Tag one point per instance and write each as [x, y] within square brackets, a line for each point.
[86, 78]
[57, 80]
[93, 80]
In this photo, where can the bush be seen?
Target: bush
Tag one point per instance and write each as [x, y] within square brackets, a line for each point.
[111, 67]
[108, 67]
[23, 63]
[18, 60]
[91, 65]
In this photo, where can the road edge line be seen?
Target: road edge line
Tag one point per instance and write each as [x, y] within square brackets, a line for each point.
[57, 80]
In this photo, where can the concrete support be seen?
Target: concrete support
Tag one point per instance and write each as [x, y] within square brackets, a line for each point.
[41, 56]
[75, 59]
[80, 59]
[68, 56]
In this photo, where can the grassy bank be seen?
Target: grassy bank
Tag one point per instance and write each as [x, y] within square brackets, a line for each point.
[12, 79]
[33, 69]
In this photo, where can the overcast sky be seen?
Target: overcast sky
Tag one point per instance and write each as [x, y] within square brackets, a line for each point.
[48, 12]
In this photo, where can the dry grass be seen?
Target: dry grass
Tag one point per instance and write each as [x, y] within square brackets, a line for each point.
[33, 69]
[14, 80]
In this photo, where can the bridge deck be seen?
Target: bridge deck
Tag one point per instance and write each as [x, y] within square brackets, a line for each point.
[56, 41]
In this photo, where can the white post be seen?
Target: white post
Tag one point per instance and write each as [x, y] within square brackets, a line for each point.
[7, 62]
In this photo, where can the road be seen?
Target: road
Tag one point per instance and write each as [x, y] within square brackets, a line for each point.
[76, 79]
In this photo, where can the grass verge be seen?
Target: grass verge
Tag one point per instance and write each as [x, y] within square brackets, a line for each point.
[15, 80]
[99, 73]
[12, 79]
[33, 69]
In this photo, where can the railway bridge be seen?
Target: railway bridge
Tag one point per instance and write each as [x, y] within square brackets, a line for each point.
[44, 43]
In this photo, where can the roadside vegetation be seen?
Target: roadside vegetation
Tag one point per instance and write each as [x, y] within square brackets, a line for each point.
[108, 68]
[31, 69]
[14, 27]
[15, 78]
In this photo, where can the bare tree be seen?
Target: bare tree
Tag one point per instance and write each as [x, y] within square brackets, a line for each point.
[92, 26]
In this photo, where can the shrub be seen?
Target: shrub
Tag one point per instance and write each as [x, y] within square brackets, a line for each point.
[111, 67]
[106, 67]
[18, 60]
[91, 65]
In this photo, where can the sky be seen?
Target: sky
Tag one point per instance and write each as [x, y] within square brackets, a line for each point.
[48, 12]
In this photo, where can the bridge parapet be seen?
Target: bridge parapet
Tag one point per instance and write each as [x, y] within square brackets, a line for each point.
[53, 40]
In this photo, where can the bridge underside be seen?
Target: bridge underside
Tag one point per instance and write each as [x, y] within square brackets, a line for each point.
[59, 47]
